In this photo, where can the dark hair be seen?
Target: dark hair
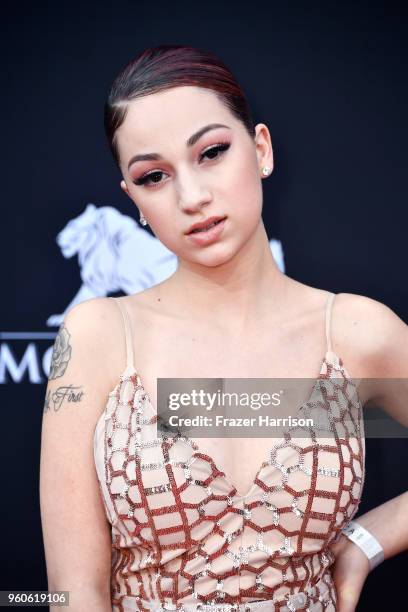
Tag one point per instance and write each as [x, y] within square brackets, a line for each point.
[167, 66]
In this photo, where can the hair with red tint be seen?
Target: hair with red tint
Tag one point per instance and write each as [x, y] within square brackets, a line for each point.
[164, 67]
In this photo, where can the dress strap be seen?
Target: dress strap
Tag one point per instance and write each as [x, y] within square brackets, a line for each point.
[329, 305]
[128, 331]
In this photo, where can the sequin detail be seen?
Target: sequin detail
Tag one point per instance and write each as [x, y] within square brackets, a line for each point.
[182, 539]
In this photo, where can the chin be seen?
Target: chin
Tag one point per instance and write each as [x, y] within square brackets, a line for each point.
[217, 257]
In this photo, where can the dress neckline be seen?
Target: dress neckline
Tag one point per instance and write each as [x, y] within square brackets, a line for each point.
[130, 369]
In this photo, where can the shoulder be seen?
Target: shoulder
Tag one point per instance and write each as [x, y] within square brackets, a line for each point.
[94, 329]
[375, 340]
[92, 320]
[94, 316]
[90, 312]
[377, 335]
[379, 340]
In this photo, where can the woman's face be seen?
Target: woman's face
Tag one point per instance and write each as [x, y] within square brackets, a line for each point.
[218, 173]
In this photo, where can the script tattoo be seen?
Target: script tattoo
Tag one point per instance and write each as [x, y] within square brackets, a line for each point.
[61, 353]
[67, 394]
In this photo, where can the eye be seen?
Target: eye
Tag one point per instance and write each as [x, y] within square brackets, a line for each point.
[144, 180]
[215, 152]
[218, 148]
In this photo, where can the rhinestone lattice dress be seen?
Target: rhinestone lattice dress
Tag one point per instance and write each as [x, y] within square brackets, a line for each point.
[183, 539]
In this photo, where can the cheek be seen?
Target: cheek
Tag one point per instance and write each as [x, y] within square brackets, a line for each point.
[167, 230]
[243, 188]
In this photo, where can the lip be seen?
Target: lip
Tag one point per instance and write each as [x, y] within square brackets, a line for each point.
[202, 239]
[204, 223]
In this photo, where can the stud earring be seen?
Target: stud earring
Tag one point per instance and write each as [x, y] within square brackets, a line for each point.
[266, 171]
[142, 220]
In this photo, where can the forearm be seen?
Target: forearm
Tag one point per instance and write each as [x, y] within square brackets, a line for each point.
[388, 523]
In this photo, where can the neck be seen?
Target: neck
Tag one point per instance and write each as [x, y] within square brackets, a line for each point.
[233, 294]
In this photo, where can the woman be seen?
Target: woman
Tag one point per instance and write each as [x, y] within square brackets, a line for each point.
[208, 524]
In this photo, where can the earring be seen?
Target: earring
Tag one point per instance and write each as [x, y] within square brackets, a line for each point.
[266, 170]
[142, 220]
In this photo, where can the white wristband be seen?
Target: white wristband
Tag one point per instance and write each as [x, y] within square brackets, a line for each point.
[367, 542]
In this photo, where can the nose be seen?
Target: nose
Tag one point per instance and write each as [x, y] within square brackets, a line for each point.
[192, 192]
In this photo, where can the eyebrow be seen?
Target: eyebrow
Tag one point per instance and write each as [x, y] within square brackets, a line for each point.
[190, 143]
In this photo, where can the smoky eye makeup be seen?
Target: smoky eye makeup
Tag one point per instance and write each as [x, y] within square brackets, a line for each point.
[210, 153]
[145, 178]
[220, 147]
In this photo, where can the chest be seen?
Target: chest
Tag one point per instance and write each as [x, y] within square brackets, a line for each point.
[207, 356]
[265, 480]
[180, 353]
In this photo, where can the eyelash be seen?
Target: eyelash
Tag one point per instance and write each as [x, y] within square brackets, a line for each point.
[222, 147]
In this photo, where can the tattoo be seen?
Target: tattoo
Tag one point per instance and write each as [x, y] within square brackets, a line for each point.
[61, 353]
[55, 399]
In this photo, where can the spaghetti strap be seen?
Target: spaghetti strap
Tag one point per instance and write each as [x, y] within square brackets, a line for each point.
[128, 331]
[329, 305]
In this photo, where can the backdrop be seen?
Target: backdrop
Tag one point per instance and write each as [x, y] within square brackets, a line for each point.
[329, 80]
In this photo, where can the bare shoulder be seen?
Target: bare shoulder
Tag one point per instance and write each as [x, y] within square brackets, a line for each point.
[90, 339]
[374, 341]
[374, 332]
[98, 319]
[95, 309]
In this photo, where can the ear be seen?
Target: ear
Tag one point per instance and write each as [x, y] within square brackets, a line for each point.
[263, 145]
[124, 188]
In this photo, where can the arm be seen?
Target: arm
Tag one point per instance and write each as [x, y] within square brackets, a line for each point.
[76, 533]
[388, 524]
[385, 354]
[383, 342]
